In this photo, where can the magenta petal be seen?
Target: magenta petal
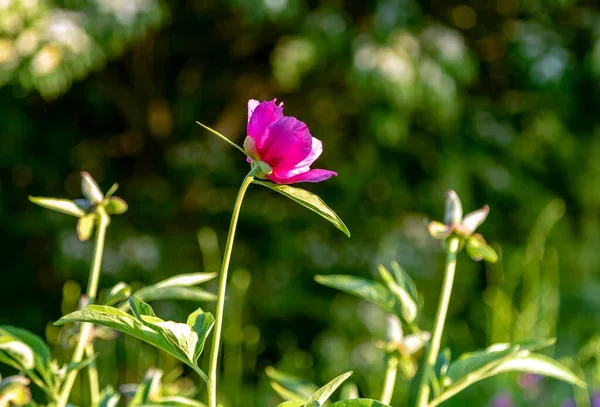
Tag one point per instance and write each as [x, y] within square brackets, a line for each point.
[315, 151]
[315, 175]
[252, 103]
[286, 144]
[263, 115]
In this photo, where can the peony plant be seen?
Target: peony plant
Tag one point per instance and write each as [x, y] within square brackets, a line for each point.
[280, 150]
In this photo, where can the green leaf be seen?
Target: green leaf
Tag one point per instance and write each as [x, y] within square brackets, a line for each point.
[116, 206]
[308, 200]
[408, 306]
[301, 389]
[178, 401]
[368, 290]
[201, 322]
[175, 293]
[349, 391]
[85, 226]
[323, 394]
[59, 205]
[117, 293]
[108, 398]
[478, 249]
[469, 362]
[177, 339]
[358, 403]
[538, 364]
[291, 403]
[148, 390]
[404, 280]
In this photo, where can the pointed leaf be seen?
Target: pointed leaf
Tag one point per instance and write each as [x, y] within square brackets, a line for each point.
[358, 403]
[85, 226]
[286, 394]
[291, 403]
[179, 401]
[538, 364]
[174, 338]
[408, 306]
[148, 390]
[116, 206]
[404, 280]
[59, 205]
[302, 388]
[117, 293]
[323, 394]
[185, 280]
[368, 290]
[308, 200]
[201, 322]
[175, 293]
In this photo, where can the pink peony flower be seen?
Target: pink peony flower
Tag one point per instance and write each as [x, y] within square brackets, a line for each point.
[283, 143]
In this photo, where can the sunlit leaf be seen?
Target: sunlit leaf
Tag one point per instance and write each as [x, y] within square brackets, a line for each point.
[323, 394]
[177, 339]
[117, 293]
[59, 205]
[368, 290]
[358, 403]
[291, 403]
[175, 293]
[407, 305]
[301, 388]
[308, 200]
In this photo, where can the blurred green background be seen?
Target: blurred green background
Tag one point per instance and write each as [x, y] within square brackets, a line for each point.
[496, 99]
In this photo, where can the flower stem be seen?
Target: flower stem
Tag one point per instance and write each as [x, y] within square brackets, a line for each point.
[93, 375]
[390, 380]
[92, 290]
[440, 319]
[214, 354]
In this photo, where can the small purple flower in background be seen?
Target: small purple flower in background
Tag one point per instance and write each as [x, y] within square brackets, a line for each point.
[568, 403]
[595, 400]
[502, 400]
[530, 381]
[283, 143]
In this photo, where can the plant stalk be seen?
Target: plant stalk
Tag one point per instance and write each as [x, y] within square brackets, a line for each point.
[92, 291]
[93, 375]
[214, 354]
[390, 380]
[440, 320]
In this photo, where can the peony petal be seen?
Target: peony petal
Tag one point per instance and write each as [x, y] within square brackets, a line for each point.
[252, 103]
[315, 151]
[263, 115]
[286, 144]
[315, 175]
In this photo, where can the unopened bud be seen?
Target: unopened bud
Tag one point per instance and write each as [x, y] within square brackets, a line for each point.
[90, 189]
[454, 211]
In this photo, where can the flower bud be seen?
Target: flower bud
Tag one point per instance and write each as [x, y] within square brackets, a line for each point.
[250, 148]
[474, 219]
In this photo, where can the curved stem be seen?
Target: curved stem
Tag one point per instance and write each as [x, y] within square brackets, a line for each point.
[390, 380]
[214, 354]
[440, 320]
[92, 290]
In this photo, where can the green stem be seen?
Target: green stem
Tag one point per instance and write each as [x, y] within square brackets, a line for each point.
[92, 290]
[214, 354]
[93, 375]
[440, 320]
[390, 380]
